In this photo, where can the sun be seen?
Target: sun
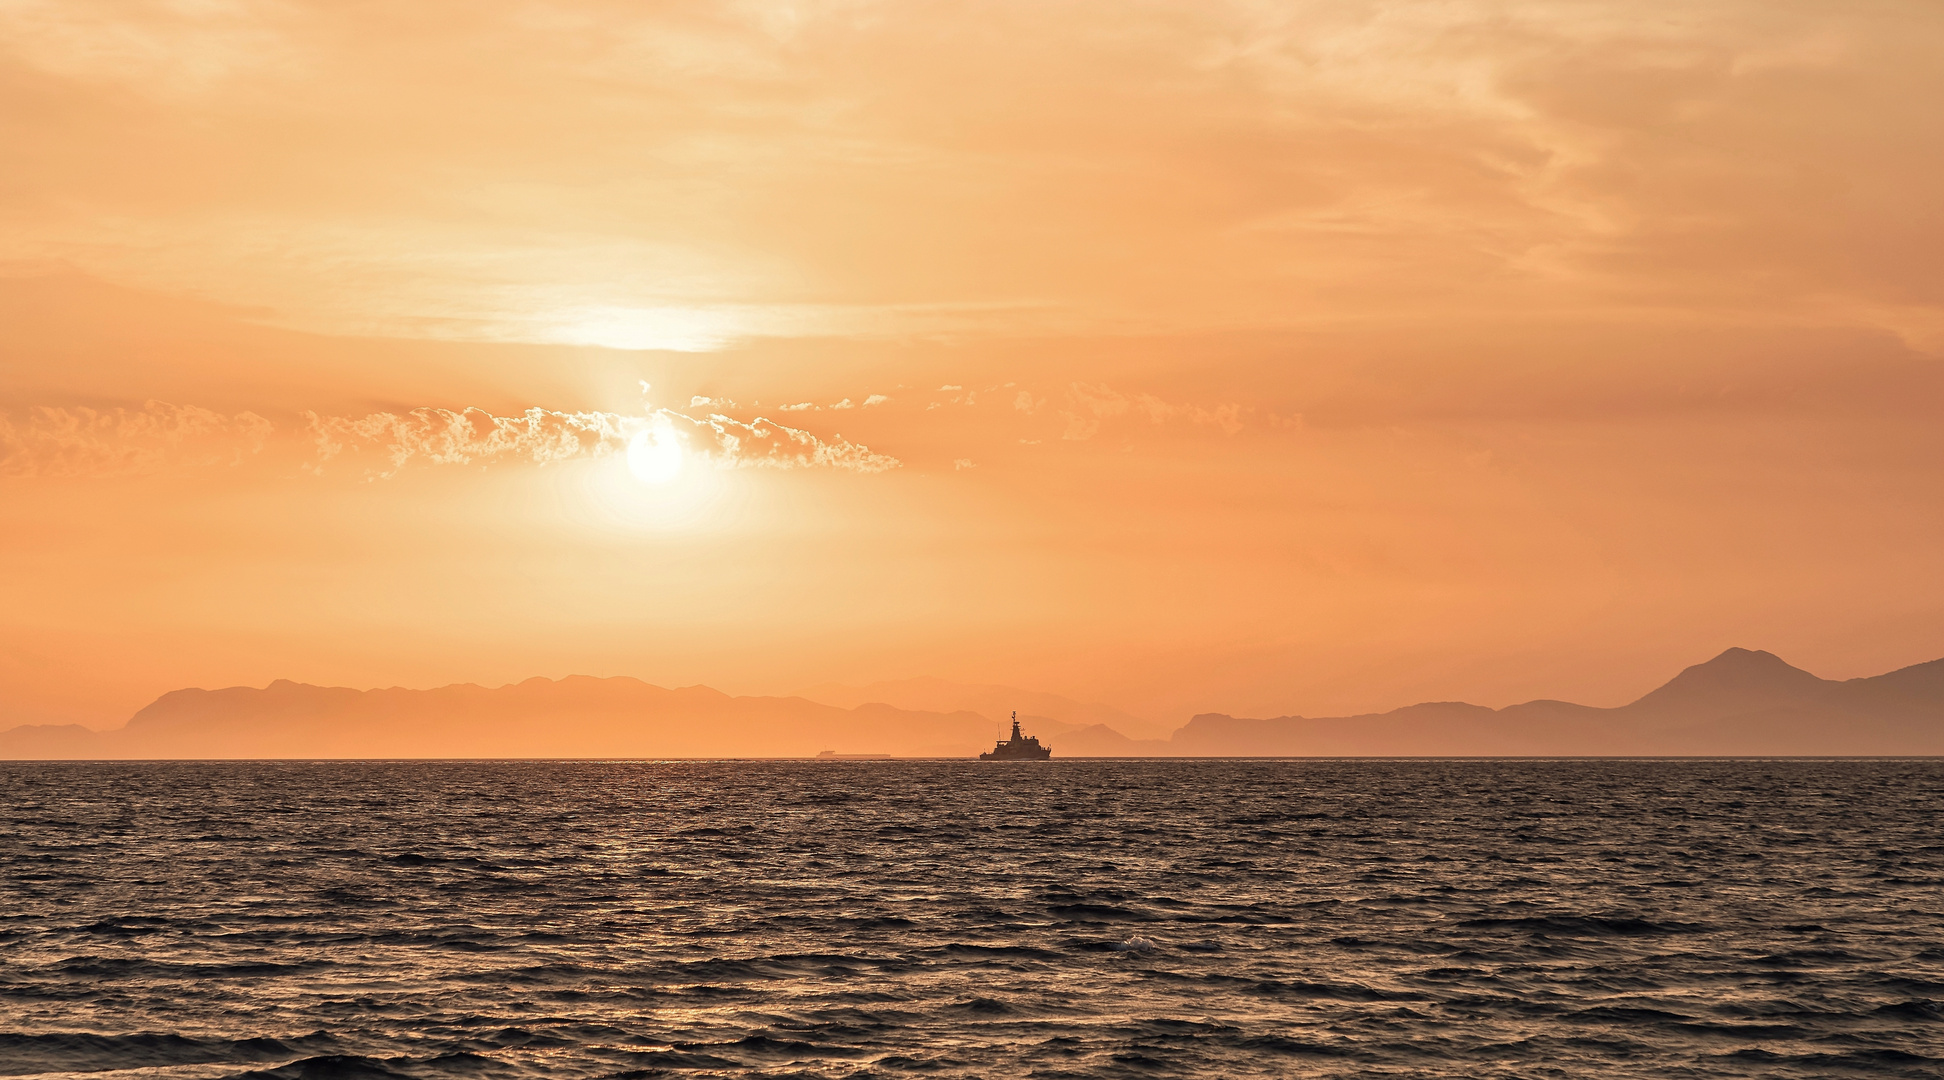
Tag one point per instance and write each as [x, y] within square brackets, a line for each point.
[655, 454]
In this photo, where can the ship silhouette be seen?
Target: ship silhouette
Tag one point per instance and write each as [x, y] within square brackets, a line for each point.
[1018, 748]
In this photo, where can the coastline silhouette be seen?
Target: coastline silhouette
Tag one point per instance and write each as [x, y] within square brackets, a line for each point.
[1741, 703]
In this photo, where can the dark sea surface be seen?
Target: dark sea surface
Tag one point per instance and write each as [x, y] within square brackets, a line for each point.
[881, 918]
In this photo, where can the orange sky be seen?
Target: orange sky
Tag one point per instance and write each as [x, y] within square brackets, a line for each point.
[1251, 357]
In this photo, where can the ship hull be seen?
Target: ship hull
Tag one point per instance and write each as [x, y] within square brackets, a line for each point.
[1023, 754]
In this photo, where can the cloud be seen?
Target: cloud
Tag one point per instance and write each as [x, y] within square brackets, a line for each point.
[78, 441]
[108, 442]
[169, 50]
[1093, 403]
[1278, 164]
[542, 436]
[766, 444]
[801, 406]
[445, 437]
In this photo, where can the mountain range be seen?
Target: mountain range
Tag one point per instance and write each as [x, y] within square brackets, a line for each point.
[1742, 702]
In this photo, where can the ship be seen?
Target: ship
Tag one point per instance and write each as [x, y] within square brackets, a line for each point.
[1018, 748]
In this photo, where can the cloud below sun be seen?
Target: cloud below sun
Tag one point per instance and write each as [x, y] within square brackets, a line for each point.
[82, 441]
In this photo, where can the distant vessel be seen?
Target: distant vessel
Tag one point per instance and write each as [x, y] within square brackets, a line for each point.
[1018, 748]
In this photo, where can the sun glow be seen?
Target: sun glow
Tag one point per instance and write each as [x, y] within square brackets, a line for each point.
[655, 454]
[609, 496]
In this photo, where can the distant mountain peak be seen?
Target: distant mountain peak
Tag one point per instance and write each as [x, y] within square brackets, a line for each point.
[1736, 655]
[1750, 677]
[1738, 662]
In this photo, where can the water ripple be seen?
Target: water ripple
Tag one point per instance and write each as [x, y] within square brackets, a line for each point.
[195, 921]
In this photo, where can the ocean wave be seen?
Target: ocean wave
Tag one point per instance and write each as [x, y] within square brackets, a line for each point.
[570, 921]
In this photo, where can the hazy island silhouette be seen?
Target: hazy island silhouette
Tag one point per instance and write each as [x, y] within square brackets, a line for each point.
[1742, 702]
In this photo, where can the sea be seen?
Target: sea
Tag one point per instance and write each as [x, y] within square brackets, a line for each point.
[1068, 918]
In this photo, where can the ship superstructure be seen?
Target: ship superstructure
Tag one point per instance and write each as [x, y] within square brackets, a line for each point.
[1018, 748]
